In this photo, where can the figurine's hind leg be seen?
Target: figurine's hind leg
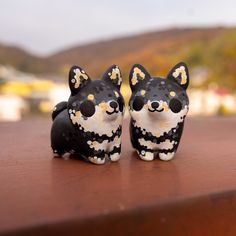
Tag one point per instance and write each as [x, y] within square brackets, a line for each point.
[166, 155]
[99, 158]
[58, 152]
[146, 155]
[167, 150]
[114, 155]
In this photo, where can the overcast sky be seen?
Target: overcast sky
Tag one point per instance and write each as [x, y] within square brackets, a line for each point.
[45, 26]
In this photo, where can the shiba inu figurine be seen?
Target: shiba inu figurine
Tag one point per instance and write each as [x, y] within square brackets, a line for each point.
[158, 107]
[90, 123]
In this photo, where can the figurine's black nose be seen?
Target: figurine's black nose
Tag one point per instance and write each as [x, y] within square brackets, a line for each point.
[113, 104]
[155, 105]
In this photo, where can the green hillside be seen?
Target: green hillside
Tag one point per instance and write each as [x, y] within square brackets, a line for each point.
[210, 49]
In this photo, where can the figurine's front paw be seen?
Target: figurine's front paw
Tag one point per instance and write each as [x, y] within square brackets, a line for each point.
[97, 160]
[114, 157]
[146, 156]
[57, 153]
[166, 156]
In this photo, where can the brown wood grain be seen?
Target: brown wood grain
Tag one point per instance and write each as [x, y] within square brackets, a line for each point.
[195, 194]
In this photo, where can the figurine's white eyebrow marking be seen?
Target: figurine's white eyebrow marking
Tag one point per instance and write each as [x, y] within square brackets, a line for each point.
[142, 92]
[90, 97]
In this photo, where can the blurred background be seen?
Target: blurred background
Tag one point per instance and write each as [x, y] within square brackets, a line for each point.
[40, 40]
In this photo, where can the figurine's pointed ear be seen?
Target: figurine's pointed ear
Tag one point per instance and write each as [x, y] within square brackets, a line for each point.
[113, 75]
[180, 74]
[137, 75]
[77, 79]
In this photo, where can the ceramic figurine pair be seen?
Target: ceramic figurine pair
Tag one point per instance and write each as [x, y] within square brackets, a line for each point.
[89, 124]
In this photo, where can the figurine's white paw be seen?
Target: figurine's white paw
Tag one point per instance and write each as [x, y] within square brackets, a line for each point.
[114, 156]
[166, 157]
[55, 154]
[66, 155]
[97, 160]
[146, 156]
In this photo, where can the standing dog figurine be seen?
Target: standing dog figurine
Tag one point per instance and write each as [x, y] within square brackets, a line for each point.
[158, 107]
[90, 123]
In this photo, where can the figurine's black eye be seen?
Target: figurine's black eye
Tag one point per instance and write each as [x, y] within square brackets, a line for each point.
[87, 108]
[138, 103]
[121, 104]
[175, 105]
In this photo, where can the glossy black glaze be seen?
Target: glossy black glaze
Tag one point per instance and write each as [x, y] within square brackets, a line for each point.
[89, 124]
[158, 107]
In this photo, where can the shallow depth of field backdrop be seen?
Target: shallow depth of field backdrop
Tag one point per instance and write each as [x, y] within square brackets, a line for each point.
[40, 40]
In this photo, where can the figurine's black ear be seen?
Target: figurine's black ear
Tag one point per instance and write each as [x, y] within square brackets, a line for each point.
[77, 79]
[180, 74]
[137, 75]
[113, 75]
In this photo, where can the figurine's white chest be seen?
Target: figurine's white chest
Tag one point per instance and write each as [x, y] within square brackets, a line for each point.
[155, 123]
[99, 123]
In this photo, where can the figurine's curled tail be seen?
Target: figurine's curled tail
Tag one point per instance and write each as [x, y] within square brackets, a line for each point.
[58, 109]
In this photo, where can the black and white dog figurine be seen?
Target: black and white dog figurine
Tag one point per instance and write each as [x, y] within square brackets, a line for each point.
[90, 123]
[158, 107]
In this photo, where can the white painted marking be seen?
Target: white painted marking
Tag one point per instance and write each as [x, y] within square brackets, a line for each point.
[157, 122]
[100, 123]
[115, 157]
[166, 157]
[167, 144]
[96, 160]
[146, 156]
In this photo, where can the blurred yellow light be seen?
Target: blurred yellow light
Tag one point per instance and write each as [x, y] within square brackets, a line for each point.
[45, 106]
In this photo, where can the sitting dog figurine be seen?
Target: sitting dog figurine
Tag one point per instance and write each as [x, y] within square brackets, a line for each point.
[90, 123]
[158, 108]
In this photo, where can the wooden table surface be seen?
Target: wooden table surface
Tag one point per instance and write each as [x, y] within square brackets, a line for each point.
[194, 194]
